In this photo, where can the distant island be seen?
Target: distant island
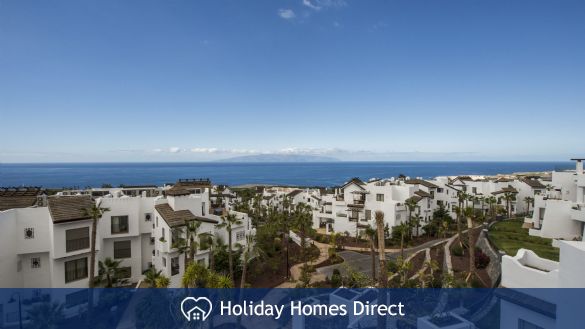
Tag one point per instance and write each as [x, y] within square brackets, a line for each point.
[280, 158]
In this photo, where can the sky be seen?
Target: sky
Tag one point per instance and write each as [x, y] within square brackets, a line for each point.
[184, 80]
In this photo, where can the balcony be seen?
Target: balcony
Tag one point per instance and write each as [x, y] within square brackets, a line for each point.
[578, 212]
[357, 203]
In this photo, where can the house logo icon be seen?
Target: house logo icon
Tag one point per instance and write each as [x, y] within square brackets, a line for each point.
[197, 309]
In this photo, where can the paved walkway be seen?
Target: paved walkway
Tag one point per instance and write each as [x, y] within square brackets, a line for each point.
[295, 270]
[361, 262]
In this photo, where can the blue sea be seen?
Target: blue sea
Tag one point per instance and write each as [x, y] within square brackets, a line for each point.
[57, 175]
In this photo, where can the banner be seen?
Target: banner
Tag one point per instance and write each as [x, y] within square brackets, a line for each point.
[292, 308]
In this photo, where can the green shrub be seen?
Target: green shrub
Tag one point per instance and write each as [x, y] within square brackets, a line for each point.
[457, 251]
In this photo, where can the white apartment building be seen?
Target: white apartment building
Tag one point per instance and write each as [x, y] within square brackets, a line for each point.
[353, 206]
[49, 245]
[559, 210]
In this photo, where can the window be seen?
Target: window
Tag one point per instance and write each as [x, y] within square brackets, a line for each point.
[76, 298]
[122, 249]
[125, 272]
[203, 208]
[156, 222]
[29, 233]
[368, 215]
[240, 235]
[119, 224]
[439, 190]
[380, 197]
[147, 217]
[474, 190]
[35, 262]
[77, 239]
[523, 324]
[164, 261]
[75, 270]
[201, 261]
[174, 265]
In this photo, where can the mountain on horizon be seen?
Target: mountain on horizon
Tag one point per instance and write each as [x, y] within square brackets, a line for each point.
[280, 158]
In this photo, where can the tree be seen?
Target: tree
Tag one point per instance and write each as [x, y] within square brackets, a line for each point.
[470, 214]
[461, 198]
[45, 315]
[371, 235]
[302, 218]
[95, 212]
[151, 275]
[529, 201]
[191, 232]
[208, 242]
[197, 276]
[162, 282]
[509, 197]
[383, 278]
[250, 250]
[228, 222]
[411, 205]
[109, 273]
[180, 244]
[491, 201]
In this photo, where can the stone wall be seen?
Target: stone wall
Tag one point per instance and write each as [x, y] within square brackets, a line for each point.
[494, 268]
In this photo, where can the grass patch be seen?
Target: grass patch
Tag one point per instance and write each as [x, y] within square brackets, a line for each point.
[509, 236]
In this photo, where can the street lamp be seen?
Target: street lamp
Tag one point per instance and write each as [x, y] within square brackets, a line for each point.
[12, 300]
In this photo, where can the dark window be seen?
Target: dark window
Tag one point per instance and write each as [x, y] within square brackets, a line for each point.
[122, 249]
[380, 197]
[76, 298]
[119, 224]
[174, 265]
[77, 239]
[523, 324]
[75, 270]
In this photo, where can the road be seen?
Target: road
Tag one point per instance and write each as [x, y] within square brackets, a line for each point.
[363, 262]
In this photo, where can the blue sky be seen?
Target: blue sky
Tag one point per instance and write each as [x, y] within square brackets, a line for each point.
[358, 80]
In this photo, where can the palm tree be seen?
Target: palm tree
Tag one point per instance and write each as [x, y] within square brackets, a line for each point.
[162, 282]
[151, 275]
[461, 197]
[95, 212]
[302, 222]
[469, 214]
[191, 231]
[491, 201]
[208, 240]
[228, 222]
[371, 234]
[509, 197]
[45, 315]
[180, 244]
[411, 205]
[250, 250]
[529, 201]
[383, 278]
[417, 218]
[109, 273]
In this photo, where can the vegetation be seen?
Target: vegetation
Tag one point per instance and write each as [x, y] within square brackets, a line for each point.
[228, 222]
[109, 274]
[198, 276]
[509, 236]
[95, 213]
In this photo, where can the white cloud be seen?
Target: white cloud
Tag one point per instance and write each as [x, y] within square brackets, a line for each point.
[175, 149]
[287, 14]
[309, 4]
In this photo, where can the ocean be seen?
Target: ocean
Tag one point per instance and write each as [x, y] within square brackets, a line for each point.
[79, 175]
